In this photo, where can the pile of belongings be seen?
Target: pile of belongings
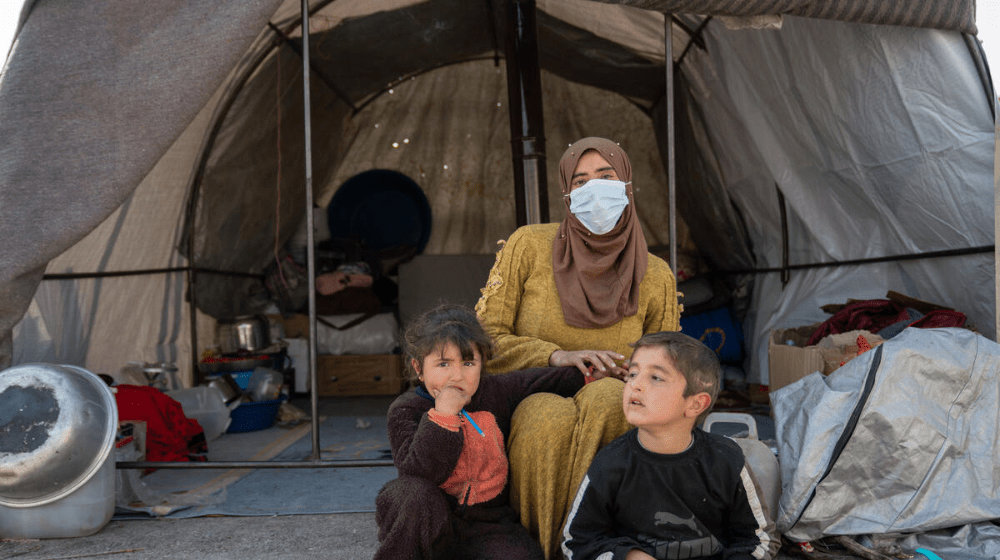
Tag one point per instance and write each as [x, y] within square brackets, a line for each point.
[885, 317]
[170, 435]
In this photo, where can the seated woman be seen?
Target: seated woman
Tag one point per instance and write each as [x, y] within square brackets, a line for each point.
[573, 293]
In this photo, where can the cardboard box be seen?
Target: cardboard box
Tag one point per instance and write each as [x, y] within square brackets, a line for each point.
[295, 325]
[789, 359]
[355, 375]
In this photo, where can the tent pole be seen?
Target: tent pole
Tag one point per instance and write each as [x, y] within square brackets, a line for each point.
[668, 46]
[524, 97]
[310, 236]
[192, 275]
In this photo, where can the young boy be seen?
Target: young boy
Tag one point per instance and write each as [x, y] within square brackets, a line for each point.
[668, 490]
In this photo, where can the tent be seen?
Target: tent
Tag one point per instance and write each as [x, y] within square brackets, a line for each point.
[824, 150]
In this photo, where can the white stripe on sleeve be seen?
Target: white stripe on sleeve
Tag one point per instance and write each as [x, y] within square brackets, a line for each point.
[758, 513]
[572, 514]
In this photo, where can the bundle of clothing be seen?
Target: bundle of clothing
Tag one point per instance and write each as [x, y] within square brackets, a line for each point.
[170, 435]
[886, 317]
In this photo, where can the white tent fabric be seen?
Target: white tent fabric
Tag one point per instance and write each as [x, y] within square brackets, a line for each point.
[880, 138]
[866, 156]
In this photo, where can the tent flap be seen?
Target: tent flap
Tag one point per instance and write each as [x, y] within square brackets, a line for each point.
[91, 98]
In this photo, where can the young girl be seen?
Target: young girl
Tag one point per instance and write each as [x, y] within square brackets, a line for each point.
[447, 438]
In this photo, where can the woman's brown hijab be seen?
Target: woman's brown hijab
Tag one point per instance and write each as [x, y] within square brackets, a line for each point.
[598, 276]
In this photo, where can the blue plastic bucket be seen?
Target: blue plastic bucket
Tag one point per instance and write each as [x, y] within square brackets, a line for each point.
[253, 416]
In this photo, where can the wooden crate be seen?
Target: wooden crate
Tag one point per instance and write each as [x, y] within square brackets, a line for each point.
[370, 375]
[295, 325]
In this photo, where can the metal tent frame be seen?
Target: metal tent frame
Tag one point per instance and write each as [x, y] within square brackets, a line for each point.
[528, 153]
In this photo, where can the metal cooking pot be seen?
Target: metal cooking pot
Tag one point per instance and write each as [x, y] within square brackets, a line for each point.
[228, 387]
[57, 428]
[250, 333]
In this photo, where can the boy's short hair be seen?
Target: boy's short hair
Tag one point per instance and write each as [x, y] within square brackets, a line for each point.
[697, 362]
[443, 324]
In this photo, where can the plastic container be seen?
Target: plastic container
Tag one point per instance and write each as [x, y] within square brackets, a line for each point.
[83, 512]
[265, 384]
[253, 416]
[760, 460]
[731, 424]
[242, 378]
[57, 461]
[207, 406]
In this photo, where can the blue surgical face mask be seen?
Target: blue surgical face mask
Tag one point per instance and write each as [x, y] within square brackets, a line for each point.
[598, 204]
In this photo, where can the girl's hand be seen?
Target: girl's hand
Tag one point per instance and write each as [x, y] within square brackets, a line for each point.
[618, 372]
[604, 362]
[451, 400]
[636, 554]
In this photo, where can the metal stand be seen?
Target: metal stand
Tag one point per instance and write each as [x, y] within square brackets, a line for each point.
[668, 47]
[310, 234]
[524, 96]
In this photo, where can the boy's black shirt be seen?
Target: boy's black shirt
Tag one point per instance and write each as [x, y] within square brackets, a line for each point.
[699, 503]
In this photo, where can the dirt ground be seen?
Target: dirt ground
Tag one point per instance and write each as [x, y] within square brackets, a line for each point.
[300, 537]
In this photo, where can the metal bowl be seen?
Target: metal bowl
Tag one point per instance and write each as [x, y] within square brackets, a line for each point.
[57, 428]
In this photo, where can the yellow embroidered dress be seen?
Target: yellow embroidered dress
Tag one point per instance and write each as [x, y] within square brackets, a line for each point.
[553, 439]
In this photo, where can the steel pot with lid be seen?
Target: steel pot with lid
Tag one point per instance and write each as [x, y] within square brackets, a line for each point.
[247, 334]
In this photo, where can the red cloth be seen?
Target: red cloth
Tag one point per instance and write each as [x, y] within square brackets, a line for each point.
[940, 318]
[863, 345]
[874, 315]
[870, 315]
[170, 435]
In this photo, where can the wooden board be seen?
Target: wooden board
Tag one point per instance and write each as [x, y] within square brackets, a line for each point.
[370, 375]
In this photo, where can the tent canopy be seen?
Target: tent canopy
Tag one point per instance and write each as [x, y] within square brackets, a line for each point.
[168, 138]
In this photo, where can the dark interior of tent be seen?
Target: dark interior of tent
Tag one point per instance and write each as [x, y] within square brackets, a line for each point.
[346, 82]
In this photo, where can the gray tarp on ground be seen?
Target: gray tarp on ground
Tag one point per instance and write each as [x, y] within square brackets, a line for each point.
[903, 439]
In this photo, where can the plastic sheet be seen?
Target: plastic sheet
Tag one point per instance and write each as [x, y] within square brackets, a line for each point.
[206, 405]
[376, 335]
[898, 440]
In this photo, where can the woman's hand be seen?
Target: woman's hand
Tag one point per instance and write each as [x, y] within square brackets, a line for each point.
[636, 554]
[604, 362]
